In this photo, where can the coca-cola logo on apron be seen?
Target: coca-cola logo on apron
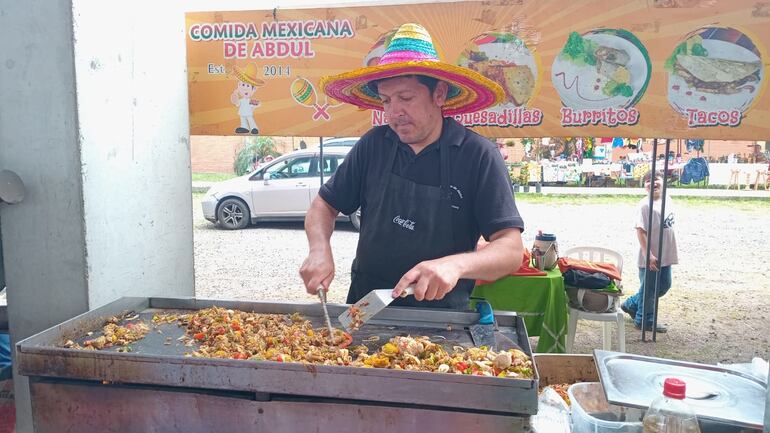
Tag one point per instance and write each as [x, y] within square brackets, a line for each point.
[403, 222]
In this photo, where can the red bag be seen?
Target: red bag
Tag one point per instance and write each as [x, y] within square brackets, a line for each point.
[608, 269]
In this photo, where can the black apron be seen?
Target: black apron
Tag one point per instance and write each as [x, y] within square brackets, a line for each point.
[407, 224]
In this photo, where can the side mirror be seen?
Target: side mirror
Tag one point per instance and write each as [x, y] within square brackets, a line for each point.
[266, 178]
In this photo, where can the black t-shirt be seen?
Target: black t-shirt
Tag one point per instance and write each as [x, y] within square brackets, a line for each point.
[482, 197]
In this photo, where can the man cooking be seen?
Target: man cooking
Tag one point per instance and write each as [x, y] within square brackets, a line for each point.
[427, 186]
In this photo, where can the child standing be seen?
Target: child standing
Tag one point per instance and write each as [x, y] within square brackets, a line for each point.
[659, 267]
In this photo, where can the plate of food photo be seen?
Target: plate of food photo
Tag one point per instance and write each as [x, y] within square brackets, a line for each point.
[505, 59]
[602, 68]
[714, 69]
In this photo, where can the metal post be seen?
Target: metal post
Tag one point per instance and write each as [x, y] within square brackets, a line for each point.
[321, 160]
[649, 226]
[660, 241]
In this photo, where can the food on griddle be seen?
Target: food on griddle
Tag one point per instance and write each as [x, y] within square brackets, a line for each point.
[224, 333]
[235, 334]
[356, 320]
[421, 354]
[114, 334]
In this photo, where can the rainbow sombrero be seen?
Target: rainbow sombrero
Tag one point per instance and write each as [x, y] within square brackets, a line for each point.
[411, 52]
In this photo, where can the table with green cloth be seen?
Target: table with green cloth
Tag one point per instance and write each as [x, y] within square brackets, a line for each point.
[540, 300]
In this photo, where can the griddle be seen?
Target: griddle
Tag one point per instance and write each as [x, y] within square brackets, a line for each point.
[151, 361]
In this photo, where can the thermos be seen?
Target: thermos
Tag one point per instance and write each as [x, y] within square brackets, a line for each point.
[545, 251]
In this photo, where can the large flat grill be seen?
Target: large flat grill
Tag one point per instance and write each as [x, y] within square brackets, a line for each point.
[154, 362]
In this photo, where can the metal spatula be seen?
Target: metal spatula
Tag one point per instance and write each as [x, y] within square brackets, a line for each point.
[368, 306]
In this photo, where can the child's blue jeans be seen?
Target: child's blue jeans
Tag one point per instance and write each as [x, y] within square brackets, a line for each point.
[647, 279]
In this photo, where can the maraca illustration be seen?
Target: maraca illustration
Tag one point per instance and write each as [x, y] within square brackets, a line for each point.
[304, 92]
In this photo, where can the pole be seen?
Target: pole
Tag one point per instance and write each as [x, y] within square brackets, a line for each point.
[660, 242]
[321, 160]
[649, 245]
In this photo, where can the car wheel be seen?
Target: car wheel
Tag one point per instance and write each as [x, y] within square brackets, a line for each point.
[355, 219]
[233, 214]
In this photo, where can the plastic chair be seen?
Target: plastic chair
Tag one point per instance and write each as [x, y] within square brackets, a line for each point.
[597, 254]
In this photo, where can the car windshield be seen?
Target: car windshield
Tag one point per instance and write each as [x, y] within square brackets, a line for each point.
[301, 166]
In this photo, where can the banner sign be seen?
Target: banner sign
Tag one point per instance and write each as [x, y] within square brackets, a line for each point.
[634, 68]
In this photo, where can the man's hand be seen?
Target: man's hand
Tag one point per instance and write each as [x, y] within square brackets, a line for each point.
[432, 279]
[318, 268]
[317, 271]
[653, 263]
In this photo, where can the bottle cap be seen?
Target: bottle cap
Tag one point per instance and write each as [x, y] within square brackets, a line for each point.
[674, 388]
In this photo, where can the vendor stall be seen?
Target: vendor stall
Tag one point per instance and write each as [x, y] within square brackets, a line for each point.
[561, 172]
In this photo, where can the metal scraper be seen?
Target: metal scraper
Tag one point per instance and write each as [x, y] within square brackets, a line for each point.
[368, 306]
[483, 333]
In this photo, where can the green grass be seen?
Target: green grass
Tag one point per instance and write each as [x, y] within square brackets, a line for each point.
[738, 203]
[212, 177]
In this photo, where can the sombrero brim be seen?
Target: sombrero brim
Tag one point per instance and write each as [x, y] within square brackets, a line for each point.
[256, 82]
[471, 91]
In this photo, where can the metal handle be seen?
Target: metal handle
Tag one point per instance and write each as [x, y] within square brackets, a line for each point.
[322, 296]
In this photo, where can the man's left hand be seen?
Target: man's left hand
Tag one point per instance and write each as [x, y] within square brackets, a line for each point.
[431, 279]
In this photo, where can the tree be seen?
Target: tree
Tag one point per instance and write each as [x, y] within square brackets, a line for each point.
[256, 147]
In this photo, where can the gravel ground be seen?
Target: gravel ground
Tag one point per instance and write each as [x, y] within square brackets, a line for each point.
[718, 309]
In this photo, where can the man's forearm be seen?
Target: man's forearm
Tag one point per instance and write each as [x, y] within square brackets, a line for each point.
[500, 257]
[319, 224]
[642, 236]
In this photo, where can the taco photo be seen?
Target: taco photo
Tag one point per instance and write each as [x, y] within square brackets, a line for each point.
[714, 69]
[505, 59]
[602, 68]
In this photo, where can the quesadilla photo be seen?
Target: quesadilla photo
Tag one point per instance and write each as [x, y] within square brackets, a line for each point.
[517, 80]
[505, 59]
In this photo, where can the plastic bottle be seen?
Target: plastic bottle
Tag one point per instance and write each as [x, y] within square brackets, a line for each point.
[669, 413]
